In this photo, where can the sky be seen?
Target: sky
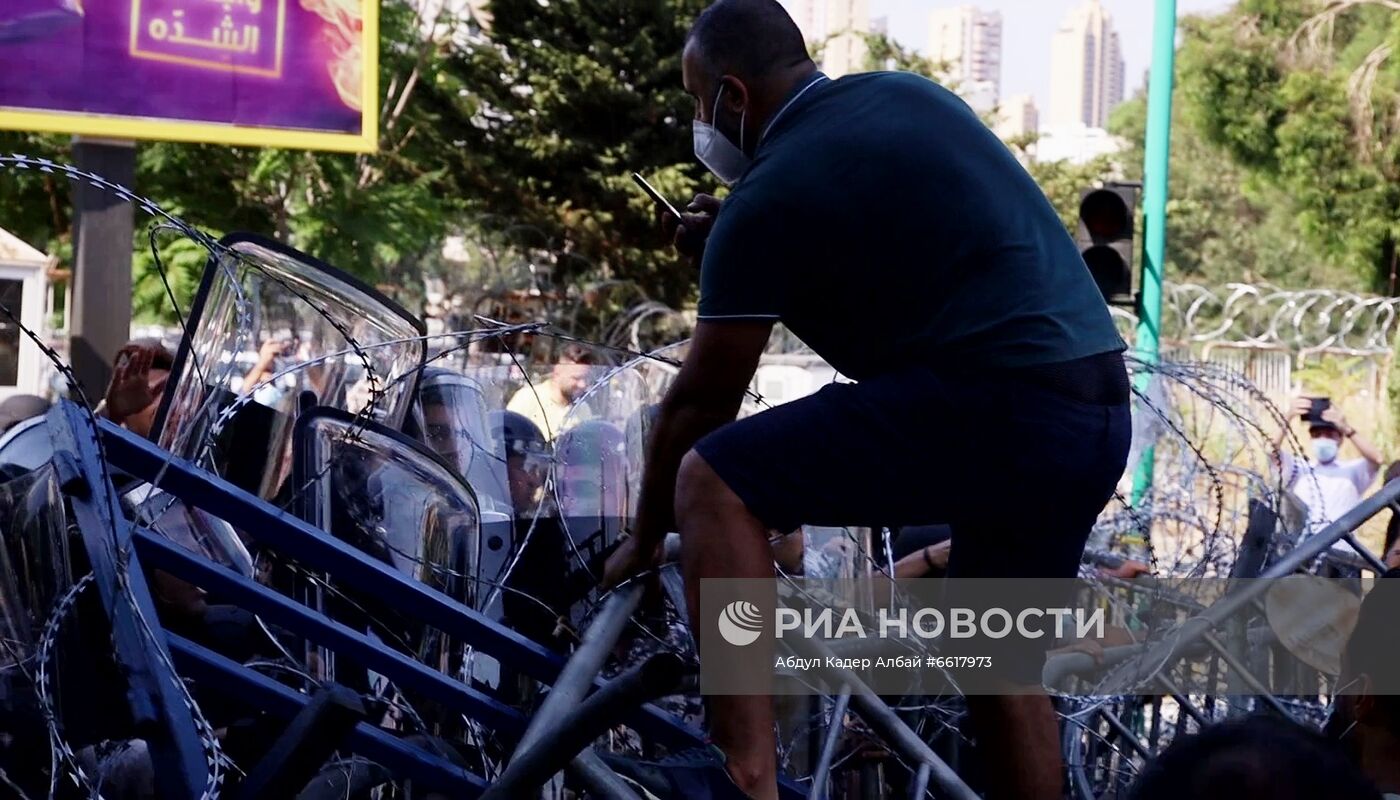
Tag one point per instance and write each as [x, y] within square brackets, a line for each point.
[1027, 26]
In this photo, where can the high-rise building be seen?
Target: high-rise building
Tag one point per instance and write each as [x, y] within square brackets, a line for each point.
[1017, 116]
[967, 41]
[837, 28]
[1086, 68]
[810, 16]
[847, 23]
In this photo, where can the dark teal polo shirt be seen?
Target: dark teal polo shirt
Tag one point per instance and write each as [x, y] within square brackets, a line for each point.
[885, 225]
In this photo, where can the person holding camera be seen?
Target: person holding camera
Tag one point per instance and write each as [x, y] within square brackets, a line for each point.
[1330, 486]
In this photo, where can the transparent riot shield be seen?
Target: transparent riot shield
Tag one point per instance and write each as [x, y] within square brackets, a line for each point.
[268, 326]
[35, 560]
[387, 495]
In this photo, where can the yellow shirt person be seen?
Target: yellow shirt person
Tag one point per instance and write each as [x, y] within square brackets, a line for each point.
[547, 403]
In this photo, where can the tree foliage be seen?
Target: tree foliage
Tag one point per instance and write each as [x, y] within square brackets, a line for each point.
[565, 99]
[884, 53]
[1268, 180]
[363, 213]
[1305, 99]
[1285, 153]
[1222, 224]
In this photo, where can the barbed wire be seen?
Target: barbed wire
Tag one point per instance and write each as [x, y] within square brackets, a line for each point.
[1210, 430]
[1262, 316]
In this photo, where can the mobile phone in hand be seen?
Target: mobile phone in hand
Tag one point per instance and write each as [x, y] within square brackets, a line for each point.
[1317, 405]
[656, 196]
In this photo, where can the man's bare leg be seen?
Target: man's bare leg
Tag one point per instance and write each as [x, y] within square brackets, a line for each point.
[721, 539]
[1021, 732]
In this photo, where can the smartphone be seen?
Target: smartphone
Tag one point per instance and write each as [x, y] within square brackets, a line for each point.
[1318, 405]
[656, 196]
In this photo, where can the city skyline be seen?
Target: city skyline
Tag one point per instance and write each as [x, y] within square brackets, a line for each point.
[1086, 68]
[820, 19]
[1028, 31]
[968, 41]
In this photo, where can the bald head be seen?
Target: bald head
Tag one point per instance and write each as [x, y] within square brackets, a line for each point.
[749, 39]
[742, 58]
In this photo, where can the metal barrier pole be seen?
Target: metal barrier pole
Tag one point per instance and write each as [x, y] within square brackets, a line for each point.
[887, 724]
[920, 787]
[1366, 555]
[1182, 701]
[154, 695]
[407, 672]
[1124, 732]
[1195, 628]
[1063, 665]
[600, 781]
[399, 756]
[573, 684]
[828, 753]
[576, 679]
[531, 768]
[1238, 669]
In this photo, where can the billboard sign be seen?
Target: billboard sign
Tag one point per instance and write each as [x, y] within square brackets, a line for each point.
[277, 73]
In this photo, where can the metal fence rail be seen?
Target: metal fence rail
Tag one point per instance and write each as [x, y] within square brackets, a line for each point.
[120, 551]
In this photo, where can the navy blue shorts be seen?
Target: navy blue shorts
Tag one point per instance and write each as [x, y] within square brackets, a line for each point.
[1019, 470]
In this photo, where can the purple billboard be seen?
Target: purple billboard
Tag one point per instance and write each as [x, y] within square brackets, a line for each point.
[293, 73]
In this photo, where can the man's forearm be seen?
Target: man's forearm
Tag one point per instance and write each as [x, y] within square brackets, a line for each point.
[254, 377]
[680, 425]
[1366, 448]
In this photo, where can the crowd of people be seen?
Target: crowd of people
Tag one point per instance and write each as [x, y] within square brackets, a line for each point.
[1357, 755]
[998, 358]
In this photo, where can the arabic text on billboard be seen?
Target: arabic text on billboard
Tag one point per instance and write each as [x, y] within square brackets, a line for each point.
[295, 73]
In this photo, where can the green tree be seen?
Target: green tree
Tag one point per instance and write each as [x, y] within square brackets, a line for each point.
[35, 205]
[363, 213]
[565, 98]
[884, 53]
[1222, 225]
[1307, 102]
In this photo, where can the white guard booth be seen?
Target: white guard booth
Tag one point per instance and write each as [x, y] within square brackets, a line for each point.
[23, 291]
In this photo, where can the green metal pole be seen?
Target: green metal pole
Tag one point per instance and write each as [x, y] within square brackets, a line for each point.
[1154, 209]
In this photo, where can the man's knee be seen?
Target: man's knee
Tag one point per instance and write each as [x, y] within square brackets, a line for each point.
[699, 486]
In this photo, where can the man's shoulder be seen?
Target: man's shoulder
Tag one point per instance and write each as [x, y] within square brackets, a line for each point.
[1361, 467]
[892, 119]
[1346, 466]
[902, 94]
[890, 79]
[525, 400]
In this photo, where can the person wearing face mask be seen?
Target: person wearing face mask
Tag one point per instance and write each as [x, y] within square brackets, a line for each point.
[876, 196]
[1328, 485]
[1365, 718]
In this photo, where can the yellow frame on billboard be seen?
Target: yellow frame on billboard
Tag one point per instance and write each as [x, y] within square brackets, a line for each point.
[110, 126]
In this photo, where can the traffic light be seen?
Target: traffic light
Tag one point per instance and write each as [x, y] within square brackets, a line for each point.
[1105, 239]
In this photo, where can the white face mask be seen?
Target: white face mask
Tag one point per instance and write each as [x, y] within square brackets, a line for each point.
[719, 155]
[1325, 450]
